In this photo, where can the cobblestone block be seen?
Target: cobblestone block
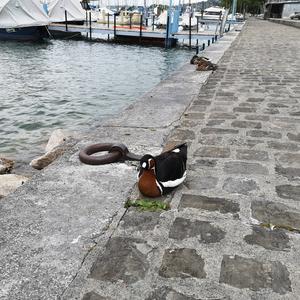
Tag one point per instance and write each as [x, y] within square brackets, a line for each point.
[283, 146]
[214, 152]
[183, 263]
[256, 117]
[245, 109]
[215, 122]
[252, 155]
[198, 108]
[294, 137]
[219, 131]
[206, 233]
[290, 173]
[271, 111]
[238, 167]
[291, 159]
[264, 134]
[166, 293]
[240, 185]
[210, 140]
[253, 99]
[203, 163]
[277, 105]
[201, 183]
[246, 124]
[183, 135]
[141, 221]
[287, 191]
[194, 115]
[208, 203]
[268, 212]
[121, 260]
[202, 102]
[269, 239]
[250, 273]
[222, 115]
[94, 296]
[295, 113]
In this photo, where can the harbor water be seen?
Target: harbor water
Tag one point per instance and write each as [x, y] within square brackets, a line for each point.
[71, 85]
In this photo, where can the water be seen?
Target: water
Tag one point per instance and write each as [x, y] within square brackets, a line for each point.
[70, 85]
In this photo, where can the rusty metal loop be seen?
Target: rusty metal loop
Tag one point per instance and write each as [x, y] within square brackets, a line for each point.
[116, 152]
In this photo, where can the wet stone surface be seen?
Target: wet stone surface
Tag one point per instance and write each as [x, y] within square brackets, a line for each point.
[183, 263]
[240, 185]
[208, 203]
[201, 182]
[288, 191]
[264, 134]
[249, 273]
[94, 296]
[218, 131]
[290, 173]
[246, 124]
[268, 212]
[203, 230]
[166, 293]
[121, 260]
[269, 239]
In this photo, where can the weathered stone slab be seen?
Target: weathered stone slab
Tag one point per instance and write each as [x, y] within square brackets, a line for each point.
[214, 152]
[290, 159]
[294, 137]
[166, 293]
[183, 135]
[287, 191]
[94, 296]
[245, 109]
[268, 212]
[202, 102]
[253, 99]
[240, 185]
[246, 124]
[210, 140]
[237, 167]
[203, 163]
[121, 260]
[219, 131]
[222, 115]
[283, 146]
[250, 273]
[143, 220]
[208, 203]
[256, 117]
[183, 263]
[194, 115]
[252, 154]
[199, 183]
[290, 173]
[271, 111]
[215, 122]
[207, 233]
[264, 134]
[269, 239]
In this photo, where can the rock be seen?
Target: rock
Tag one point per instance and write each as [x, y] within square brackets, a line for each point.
[6, 165]
[10, 182]
[46, 159]
[57, 137]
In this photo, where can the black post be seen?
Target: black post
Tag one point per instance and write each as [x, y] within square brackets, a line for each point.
[197, 32]
[208, 43]
[153, 19]
[190, 31]
[141, 26]
[115, 25]
[108, 24]
[167, 32]
[203, 46]
[90, 19]
[66, 20]
[197, 49]
[216, 37]
[146, 21]
[213, 40]
[130, 21]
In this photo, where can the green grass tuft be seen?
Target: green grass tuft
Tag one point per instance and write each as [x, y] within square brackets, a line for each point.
[147, 205]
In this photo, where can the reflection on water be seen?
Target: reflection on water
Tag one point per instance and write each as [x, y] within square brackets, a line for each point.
[70, 84]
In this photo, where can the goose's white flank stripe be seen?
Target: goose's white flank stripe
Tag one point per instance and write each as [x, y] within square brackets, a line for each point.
[158, 185]
[173, 183]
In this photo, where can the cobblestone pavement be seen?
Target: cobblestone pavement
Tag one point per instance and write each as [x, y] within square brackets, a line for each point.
[233, 230]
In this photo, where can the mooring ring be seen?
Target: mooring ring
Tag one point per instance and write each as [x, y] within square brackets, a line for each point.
[115, 153]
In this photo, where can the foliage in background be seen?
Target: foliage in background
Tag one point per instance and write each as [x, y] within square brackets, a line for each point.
[249, 6]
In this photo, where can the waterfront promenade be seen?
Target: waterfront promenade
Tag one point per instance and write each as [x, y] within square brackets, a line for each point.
[66, 234]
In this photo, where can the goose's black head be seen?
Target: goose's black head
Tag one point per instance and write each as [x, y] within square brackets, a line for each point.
[147, 162]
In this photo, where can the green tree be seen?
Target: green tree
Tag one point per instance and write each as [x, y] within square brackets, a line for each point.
[250, 6]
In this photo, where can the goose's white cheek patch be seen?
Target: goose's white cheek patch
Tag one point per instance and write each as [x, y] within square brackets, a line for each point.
[144, 165]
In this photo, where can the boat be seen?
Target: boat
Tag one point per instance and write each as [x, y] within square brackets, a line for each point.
[213, 13]
[22, 20]
[60, 10]
[184, 21]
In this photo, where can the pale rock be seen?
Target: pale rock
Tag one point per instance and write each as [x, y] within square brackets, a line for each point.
[57, 138]
[10, 182]
[46, 159]
[6, 165]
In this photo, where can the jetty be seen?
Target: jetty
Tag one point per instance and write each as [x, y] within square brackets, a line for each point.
[232, 230]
